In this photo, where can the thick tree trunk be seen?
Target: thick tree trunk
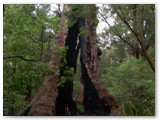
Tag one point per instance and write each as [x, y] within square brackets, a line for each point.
[97, 99]
[43, 103]
[52, 99]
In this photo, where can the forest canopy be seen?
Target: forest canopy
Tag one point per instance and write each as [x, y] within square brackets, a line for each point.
[56, 61]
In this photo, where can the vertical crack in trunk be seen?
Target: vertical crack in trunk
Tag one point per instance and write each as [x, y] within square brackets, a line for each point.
[64, 100]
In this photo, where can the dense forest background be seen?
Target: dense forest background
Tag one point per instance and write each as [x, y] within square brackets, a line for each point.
[126, 64]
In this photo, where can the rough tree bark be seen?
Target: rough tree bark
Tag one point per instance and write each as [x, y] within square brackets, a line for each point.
[54, 100]
[43, 104]
[97, 99]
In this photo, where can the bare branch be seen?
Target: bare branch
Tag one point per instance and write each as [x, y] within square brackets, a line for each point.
[117, 33]
[59, 8]
[126, 22]
[21, 57]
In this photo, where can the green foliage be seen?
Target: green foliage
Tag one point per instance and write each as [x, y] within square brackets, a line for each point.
[13, 102]
[83, 31]
[133, 86]
[75, 13]
[62, 55]
[129, 79]
[81, 11]
[80, 108]
[140, 17]
[26, 34]
[68, 75]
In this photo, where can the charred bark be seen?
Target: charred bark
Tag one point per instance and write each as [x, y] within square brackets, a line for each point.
[97, 99]
[92, 102]
[54, 100]
[64, 100]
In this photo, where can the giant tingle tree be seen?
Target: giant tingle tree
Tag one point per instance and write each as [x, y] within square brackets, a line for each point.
[82, 27]
[77, 31]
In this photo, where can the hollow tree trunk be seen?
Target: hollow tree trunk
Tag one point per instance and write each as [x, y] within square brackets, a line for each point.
[97, 99]
[64, 100]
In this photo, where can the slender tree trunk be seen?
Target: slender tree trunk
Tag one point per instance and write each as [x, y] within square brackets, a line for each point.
[145, 54]
[142, 38]
[149, 61]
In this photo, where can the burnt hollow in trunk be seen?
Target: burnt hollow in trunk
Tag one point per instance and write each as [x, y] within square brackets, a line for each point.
[91, 98]
[64, 103]
[92, 103]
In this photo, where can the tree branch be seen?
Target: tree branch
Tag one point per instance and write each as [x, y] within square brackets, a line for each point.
[143, 52]
[116, 33]
[21, 57]
[126, 22]
[26, 110]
